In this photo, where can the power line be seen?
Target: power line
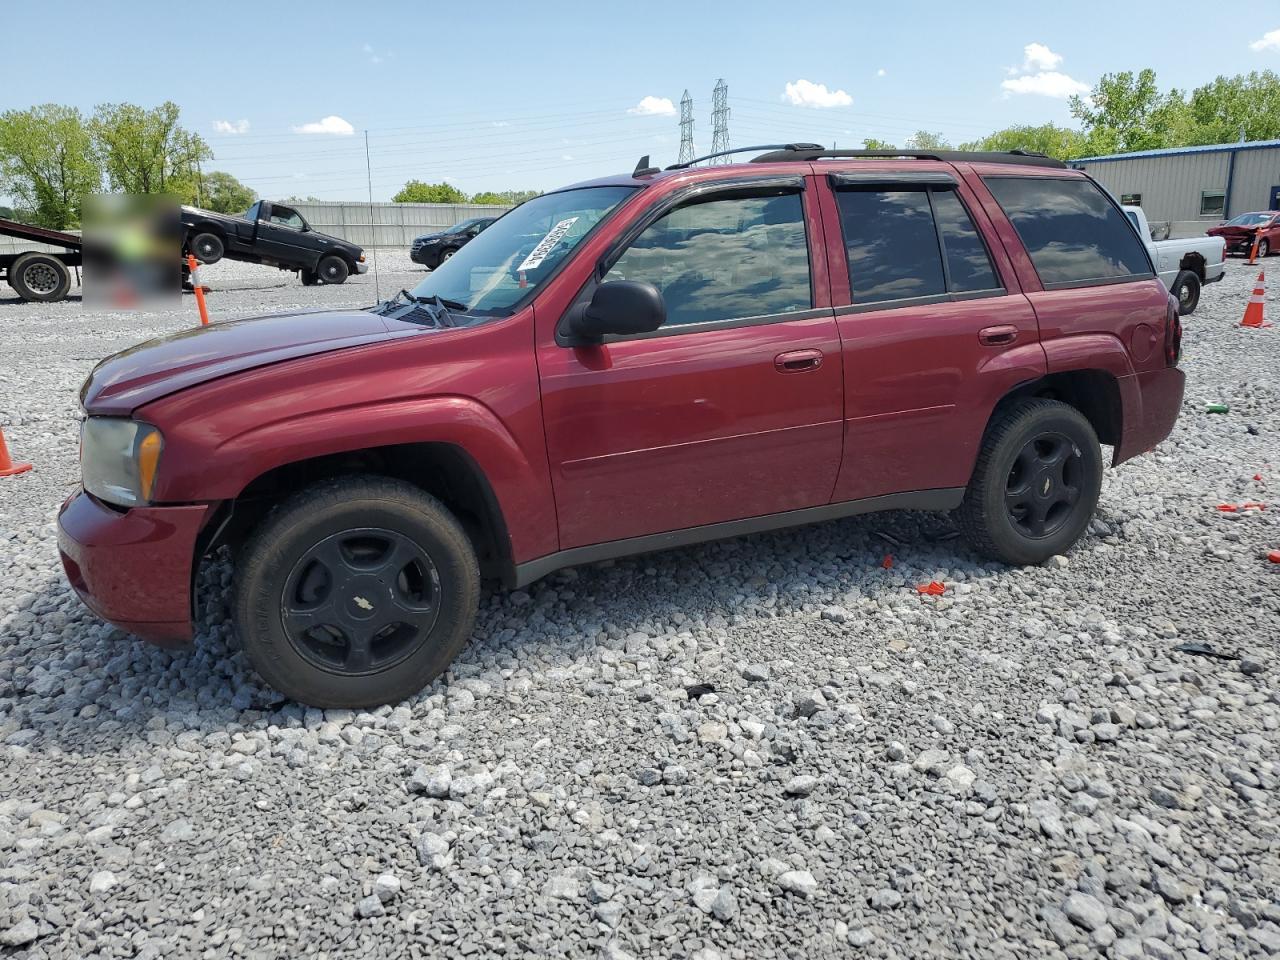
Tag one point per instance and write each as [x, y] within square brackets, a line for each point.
[720, 120]
[686, 128]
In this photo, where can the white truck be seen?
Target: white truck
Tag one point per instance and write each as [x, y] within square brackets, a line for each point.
[1184, 265]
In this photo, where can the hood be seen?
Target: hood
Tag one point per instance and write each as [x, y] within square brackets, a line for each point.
[1229, 231]
[134, 377]
[427, 236]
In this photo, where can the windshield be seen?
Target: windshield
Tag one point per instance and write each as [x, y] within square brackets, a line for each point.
[462, 227]
[1249, 220]
[511, 257]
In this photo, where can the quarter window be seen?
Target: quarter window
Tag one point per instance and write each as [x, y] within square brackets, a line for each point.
[892, 245]
[724, 258]
[1073, 233]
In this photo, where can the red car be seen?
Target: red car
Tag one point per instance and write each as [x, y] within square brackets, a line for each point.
[625, 365]
[1240, 231]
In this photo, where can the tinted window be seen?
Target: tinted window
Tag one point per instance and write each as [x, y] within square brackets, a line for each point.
[1073, 233]
[891, 244]
[723, 259]
[968, 264]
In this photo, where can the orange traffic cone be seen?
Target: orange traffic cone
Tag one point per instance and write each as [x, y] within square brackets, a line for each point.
[7, 467]
[1253, 313]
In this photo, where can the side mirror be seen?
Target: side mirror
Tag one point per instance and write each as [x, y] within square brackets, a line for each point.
[620, 307]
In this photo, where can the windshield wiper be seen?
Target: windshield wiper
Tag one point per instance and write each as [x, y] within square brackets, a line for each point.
[437, 308]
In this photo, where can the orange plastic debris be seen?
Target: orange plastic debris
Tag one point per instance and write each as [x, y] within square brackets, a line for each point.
[887, 562]
[1257, 476]
[1227, 508]
[1274, 556]
[932, 589]
[1253, 506]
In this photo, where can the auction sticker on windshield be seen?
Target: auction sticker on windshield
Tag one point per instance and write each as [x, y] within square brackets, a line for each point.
[539, 253]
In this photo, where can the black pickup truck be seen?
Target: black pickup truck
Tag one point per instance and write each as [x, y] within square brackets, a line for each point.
[272, 234]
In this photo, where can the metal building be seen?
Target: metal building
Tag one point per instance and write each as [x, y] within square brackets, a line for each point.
[1193, 187]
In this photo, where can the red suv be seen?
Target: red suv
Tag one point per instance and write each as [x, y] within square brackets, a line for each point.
[625, 365]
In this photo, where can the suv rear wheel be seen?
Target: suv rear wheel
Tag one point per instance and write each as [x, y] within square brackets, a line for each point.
[1035, 485]
[356, 592]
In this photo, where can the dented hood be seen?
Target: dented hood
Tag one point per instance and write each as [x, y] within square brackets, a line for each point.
[134, 377]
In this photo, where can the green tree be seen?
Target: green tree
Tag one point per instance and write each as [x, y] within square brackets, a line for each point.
[1127, 111]
[415, 191]
[1250, 103]
[925, 140]
[223, 193]
[297, 199]
[47, 163]
[508, 197]
[1047, 138]
[148, 151]
[871, 143]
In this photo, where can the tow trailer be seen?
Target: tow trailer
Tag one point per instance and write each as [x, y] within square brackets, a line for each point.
[37, 274]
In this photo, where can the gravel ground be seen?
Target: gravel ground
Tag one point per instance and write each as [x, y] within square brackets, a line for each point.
[767, 747]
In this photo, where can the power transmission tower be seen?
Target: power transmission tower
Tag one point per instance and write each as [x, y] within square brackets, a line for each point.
[686, 128]
[720, 120]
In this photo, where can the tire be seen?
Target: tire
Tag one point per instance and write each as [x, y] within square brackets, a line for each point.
[1186, 290]
[40, 277]
[206, 246]
[446, 255]
[278, 569]
[308, 277]
[333, 269]
[1264, 248]
[1011, 467]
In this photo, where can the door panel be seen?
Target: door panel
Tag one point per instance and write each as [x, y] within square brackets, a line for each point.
[715, 416]
[922, 373]
[651, 435]
[920, 385]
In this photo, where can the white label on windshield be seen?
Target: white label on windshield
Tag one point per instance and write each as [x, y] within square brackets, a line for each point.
[539, 253]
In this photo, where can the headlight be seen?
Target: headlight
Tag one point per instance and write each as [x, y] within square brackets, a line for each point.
[118, 459]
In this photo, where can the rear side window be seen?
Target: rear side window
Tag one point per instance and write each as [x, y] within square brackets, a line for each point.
[907, 243]
[1074, 234]
[724, 258]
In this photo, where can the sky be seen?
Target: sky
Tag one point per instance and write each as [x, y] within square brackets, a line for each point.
[493, 95]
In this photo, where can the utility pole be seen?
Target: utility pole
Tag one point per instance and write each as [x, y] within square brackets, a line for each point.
[720, 120]
[686, 128]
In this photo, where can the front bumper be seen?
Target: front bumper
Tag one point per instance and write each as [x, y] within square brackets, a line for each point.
[133, 568]
[362, 266]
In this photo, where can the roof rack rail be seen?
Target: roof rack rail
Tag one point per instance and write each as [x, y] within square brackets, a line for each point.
[804, 151]
[778, 147]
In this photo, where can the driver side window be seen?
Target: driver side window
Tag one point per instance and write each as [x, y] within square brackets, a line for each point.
[724, 259]
[284, 217]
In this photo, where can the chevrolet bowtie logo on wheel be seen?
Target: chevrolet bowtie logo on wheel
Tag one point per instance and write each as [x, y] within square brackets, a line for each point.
[362, 603]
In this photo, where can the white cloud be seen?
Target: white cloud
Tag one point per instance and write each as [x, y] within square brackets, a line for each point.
[654, 107]
[1270, 41]
[226, 126]
[803, 93]
[1048, 83]
[880, 72]
[566, 156]
[1036, 56]
[330, 124]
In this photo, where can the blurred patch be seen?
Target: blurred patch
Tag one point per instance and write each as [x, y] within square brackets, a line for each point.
[132, 247]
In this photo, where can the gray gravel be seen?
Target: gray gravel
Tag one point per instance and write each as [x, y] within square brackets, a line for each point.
[1025, 766]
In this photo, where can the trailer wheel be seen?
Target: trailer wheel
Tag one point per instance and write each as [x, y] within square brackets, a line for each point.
[40, 277]
[207, 247]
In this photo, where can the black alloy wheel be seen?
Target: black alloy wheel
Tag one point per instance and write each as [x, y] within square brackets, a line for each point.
[1044, 485]
[360, 601]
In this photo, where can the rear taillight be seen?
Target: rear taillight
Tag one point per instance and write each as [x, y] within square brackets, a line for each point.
[1172, 334]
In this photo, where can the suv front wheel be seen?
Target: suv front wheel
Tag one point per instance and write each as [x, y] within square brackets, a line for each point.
[1035, 485]
[356, 592]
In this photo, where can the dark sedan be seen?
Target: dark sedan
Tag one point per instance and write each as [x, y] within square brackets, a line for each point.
[433, 249]
[1239, 232]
